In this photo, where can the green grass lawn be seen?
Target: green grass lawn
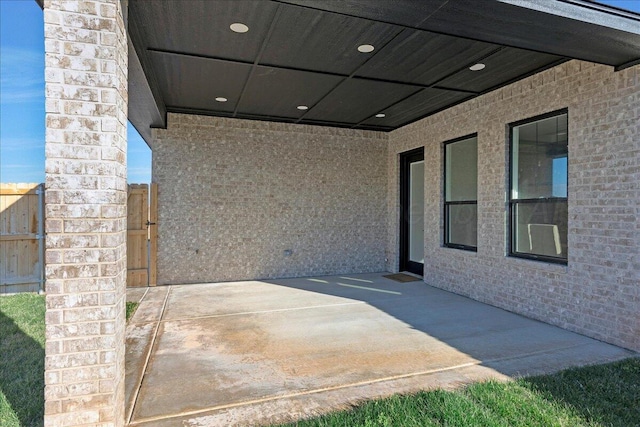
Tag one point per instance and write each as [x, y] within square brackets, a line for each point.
[131, 308]
[603, 395]
[596, 396]
[21, 360]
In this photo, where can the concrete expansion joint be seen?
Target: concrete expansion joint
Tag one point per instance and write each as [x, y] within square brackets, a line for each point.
[539, 352]
[134, 401]
[304, 393]
[280, 310]
[146, 291]
[245, 313]
[429, 372]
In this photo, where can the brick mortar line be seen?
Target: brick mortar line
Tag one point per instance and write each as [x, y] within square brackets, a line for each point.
[72, 86]
[83, 322]
[75, 42]
[82, 367]
[136, 393]
[72, 70]
[82, 100]
[87, 13]
[78, 264]
[81, 338]
[78, 352]
[95, 87]
[71, 397]
[82, 264]
[83, 233]
[65, 13]
[92, 116]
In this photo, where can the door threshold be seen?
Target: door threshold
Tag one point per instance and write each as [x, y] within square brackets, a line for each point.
[412, 274]
[404, 277]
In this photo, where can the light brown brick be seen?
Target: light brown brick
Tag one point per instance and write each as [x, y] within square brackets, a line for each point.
[80, 37]
[603, 238]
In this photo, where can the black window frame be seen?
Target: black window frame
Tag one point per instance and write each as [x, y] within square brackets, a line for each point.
[447, 204]
[406, 159]
[513, 202]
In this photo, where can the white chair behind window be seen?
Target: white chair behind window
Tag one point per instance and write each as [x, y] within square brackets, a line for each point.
[544, 239]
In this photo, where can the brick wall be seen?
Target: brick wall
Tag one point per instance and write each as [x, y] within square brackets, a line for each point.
[235, 196]
[85, 215]
[598, 292]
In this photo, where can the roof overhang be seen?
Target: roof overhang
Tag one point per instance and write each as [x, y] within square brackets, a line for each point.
[182, 55]
[576, 29]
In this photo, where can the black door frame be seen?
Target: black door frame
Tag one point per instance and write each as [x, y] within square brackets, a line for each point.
[406, 159]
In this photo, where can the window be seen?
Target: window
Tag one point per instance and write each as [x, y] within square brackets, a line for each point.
[461, 193]
[538, 199]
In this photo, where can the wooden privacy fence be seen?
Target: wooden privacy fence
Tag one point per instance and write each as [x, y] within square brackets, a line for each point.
[21, 238]
[142, 235]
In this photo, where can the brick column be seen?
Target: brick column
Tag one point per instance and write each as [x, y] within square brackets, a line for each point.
[85, 216]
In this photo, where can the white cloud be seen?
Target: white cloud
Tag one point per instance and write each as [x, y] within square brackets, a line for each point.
[139, 170]
[21, 144]
[138, 150]
[17, 172]
[15, 166]
[22, 159]
[21, 75]
[139, 175]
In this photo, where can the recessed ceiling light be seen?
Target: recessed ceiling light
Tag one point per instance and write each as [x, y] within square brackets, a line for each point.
[380, 115]
[221, 99]
[365, 48]
[302, 107]
[238, 27]
[477, 67]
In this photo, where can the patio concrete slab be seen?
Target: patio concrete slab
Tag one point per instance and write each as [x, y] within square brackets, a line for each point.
[136, 294]
[151, 306]
[250, 353]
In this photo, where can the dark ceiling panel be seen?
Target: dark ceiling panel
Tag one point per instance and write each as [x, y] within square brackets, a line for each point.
[202, 27]
[355, 100]
[421, 104]
[323, 41]
[573, 29]
[299, 52]
[192, 82]
[422, 57]
[277, 92]
[402, 12]
[501, 67]
[146, 109]
[577, 34]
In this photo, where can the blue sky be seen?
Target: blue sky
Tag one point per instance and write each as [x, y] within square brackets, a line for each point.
[22, 96]
[22, 100]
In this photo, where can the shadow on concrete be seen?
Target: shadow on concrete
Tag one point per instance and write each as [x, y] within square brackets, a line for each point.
[257, 351]
[506, 342]
[21, 373]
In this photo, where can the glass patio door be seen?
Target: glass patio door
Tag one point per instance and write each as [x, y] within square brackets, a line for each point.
[412, 211]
